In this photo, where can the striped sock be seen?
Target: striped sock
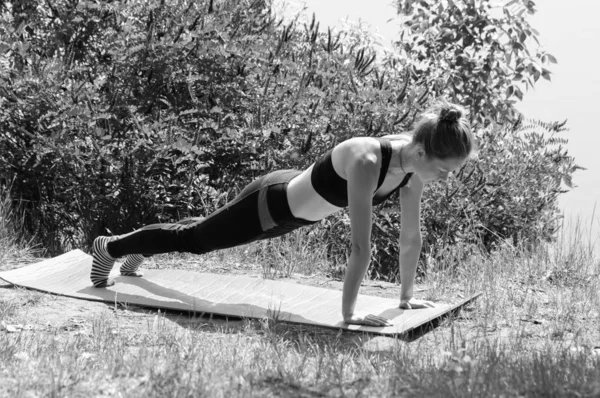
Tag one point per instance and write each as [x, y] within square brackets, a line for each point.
[131, 265]
[103, 262]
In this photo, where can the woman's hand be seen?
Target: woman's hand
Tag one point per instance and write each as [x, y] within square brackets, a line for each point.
[368, 319]
[413, 304]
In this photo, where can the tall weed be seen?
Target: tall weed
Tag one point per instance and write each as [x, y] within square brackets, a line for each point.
[15, 246]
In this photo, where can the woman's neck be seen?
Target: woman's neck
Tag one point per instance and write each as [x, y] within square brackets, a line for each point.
[403, 156]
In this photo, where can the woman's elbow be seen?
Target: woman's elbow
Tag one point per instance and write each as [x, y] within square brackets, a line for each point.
[361, 249]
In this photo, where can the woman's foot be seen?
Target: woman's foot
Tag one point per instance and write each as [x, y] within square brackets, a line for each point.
[102, 263]
[131, 265]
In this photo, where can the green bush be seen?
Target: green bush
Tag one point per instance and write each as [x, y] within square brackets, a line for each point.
[165, 109]
[118, 114]
[480, 54]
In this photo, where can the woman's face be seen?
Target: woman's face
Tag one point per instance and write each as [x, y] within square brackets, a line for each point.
[433, 169]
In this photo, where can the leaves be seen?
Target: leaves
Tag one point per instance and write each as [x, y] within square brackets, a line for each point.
[492, 53]
[119, 114]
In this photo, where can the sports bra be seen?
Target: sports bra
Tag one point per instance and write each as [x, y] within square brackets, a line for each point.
[334, 188]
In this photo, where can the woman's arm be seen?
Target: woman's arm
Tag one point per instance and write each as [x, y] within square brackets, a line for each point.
[362, 173]
[410, 242]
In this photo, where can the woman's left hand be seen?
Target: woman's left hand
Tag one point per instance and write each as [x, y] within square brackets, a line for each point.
[413, 304]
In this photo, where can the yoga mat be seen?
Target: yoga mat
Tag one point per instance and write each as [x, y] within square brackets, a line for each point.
[228, 295]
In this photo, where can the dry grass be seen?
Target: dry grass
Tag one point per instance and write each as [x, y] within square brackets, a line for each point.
[534, 332]
[15, 249]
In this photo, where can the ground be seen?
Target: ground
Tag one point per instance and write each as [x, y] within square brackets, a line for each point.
[520, 317]
[63, 315]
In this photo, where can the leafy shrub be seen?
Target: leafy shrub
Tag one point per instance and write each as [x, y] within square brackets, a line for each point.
[477, 53]
[165, 109]
[119, 114]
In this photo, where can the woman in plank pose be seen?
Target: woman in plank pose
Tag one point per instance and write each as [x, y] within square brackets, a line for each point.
[357, 173]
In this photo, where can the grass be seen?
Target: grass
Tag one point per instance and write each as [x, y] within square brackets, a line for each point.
[535, 332]
[14, 247]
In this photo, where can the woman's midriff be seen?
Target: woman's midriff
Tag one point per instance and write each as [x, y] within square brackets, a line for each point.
[305, 202]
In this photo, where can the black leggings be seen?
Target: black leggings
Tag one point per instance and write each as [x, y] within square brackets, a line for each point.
[260, 211]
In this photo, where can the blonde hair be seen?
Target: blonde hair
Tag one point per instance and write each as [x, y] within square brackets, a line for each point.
[445, 132]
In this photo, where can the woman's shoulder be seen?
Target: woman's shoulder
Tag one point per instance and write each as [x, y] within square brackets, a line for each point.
[361, 143]
[399, 137]
[357, 147]
[358, 140]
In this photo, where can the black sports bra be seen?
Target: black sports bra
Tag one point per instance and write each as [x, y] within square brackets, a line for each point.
[334, 188]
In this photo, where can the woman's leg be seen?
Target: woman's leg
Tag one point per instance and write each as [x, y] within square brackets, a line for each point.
[234, 224]
[132, 263]
[243, 220]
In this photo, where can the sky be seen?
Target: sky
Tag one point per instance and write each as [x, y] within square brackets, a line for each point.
[568, 30]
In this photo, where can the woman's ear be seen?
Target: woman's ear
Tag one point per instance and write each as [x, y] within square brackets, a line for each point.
[420, 152]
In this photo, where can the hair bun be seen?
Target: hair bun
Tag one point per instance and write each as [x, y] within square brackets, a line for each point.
[450, 114]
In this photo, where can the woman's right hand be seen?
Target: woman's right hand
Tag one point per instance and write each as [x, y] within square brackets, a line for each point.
[367, 319]
[413, 304]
